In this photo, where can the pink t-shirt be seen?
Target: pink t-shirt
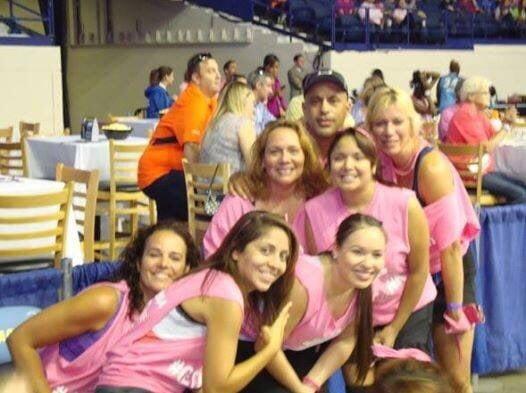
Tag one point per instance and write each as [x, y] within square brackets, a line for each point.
[389, 205]
[318, 325]
[165, 351]
[450, 218]
[232, 209]
[81, 374]
[445, 118]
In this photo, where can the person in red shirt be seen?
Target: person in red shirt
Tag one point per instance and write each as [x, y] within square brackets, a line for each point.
[177, 136]
[470, 125]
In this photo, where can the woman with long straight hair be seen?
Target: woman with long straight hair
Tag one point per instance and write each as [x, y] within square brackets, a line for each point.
[188, 335]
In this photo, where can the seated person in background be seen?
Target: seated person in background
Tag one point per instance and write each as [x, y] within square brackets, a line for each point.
[177, 136]
[359, 109]
[230, 134]
[469, 6]
[64, 346]
[447, 113]
[410, 376]
[470, 125]
[422, 83]
[276, 103]
[373, 10]
[190, 336]
[158, 97]
[261, 85]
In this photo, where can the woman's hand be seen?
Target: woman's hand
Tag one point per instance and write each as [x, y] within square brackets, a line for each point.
[272, 336]
[386, 336]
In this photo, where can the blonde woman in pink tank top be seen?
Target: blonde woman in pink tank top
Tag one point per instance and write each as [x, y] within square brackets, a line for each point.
[331, 305]
[188, 334]
[62, 348]
[410, 162]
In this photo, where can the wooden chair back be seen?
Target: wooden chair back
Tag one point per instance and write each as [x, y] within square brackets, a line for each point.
[42, 212]
[13, 158]
[84, 203]
[198, 177]
[6, 134]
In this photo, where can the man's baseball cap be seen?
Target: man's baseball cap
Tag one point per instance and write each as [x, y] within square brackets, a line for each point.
[324, 75]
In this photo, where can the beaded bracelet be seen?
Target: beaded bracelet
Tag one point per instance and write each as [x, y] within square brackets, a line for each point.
[309, 382]
[454, 306]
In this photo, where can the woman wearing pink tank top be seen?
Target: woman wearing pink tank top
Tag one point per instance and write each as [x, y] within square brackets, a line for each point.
[331, 305]
[73, 336]
[404, 292]
[188, 334]
[409, 162]
[284, 172]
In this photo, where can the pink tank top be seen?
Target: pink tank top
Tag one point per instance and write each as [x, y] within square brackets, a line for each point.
[232, 208]
[450, 218]
[389, 205]
[318, 325]
[165, 350]
[81, 374]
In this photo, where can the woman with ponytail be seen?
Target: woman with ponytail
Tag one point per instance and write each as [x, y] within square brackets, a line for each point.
[331, 305]
[158, 97]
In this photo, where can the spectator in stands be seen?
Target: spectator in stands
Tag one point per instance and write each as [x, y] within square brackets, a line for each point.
[422, 83]
[518, 12]
[504, 16]
[296, 74]
[158, 97]
[372, 12]
[469, 6]
[284, 172]
[177, 136]
[408, 161]
[190, 336]
[447, 114]
[64, 346]
[471, 126]
[410, 376]
[345, 7]
[229, 69]
[231, 134]
[276, 103]
[261, 85]
[446, 86]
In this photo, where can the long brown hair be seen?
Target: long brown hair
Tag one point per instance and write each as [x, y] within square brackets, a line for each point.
[313, 180]
[262, 307]
[131, 258]
[364, 316]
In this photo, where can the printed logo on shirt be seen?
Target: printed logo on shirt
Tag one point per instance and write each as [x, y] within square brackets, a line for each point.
[186, 374]
[387, 286]
[60, 389]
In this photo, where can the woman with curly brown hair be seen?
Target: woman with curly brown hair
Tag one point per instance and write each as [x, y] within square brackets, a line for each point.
[66, 344]
[285, 171]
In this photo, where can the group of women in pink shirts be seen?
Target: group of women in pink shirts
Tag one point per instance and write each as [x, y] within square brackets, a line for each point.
[314, 269]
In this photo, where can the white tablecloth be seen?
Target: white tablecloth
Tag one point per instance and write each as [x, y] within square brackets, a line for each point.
[23, 186]
[510, 155]
[140, 127]
[43, 155]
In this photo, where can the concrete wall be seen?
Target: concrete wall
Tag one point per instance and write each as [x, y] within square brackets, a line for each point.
[31, 87]
[503, 65]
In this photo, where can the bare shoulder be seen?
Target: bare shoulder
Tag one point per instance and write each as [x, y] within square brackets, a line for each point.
[101, 300]
[203, 309]
[435, 177]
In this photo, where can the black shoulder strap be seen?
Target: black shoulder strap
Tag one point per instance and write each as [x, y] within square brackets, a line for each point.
[421, 155]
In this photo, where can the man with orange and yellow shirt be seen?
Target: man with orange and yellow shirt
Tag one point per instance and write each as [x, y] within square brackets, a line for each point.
[177, 136]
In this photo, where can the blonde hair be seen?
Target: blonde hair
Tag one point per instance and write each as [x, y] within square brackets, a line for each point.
[313, 180]
[370, 85]
[383, 98]
[473, 85]
[231, 100]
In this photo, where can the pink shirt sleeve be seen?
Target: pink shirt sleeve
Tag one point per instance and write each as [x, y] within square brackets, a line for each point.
[230, 210]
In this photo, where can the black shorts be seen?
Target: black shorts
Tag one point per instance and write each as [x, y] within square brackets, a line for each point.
[169, 193]
[301, 361]
[440, 304]
[416, 332]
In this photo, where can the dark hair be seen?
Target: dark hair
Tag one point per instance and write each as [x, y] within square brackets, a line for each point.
[262, 308]
[193, 64]
[270, 60]
[416, 83]
[132, 254]
[411, 376]
[364, 143]
[296, 57]
[378, 72]
[363, 354]
[454, 67]
[227, 64]
[157, 74]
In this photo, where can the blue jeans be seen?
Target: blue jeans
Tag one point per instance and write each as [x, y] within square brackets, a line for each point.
[499, 184]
